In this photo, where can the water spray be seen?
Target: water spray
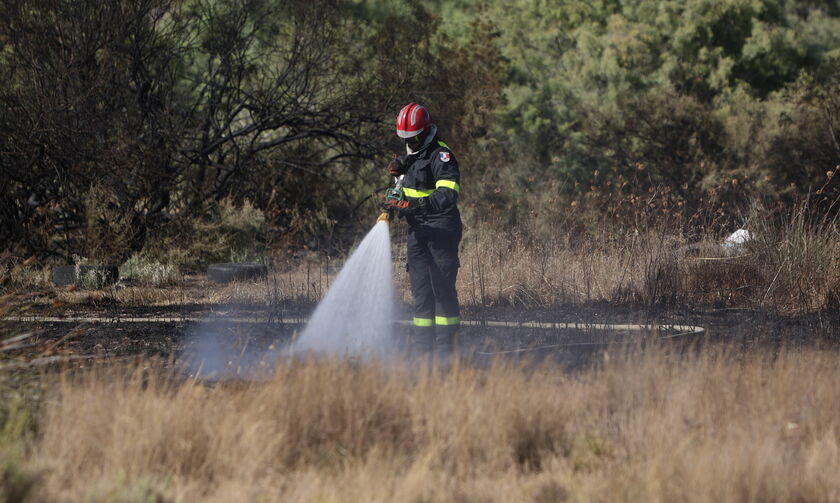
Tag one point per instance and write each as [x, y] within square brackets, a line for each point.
[355, 317]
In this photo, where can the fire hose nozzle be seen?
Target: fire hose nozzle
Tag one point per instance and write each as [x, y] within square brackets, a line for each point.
[394, 193]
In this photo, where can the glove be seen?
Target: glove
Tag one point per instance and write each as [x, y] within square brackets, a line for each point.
[406, 206]
[396, 167]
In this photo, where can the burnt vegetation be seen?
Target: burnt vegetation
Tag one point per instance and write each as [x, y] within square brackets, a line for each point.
[180, 132]
[123, 117]
[606, 151]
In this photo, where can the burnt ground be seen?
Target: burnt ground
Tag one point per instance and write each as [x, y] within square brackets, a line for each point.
[260, 331]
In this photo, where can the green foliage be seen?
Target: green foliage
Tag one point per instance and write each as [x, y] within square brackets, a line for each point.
[804, 154]
[145, 270]
[22, 275]
[661, 97]
[611, 107]
[227, 232]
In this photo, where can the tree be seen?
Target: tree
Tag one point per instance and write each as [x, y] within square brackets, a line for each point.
[125, 114]
[598, 87]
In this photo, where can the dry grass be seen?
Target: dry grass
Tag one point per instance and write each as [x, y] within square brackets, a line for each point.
[305, 283]
[515, 270]
[791, 267]
[718, 427]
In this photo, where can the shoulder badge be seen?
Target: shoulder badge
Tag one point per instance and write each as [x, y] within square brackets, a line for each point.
[444, 156]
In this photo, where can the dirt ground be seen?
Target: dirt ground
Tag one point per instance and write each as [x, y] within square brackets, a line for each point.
[232, 348]
[182, 319]
[172, 321]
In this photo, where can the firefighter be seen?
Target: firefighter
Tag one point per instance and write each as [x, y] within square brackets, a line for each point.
[431, 188]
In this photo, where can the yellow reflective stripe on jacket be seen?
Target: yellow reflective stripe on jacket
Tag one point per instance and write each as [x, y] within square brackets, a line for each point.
[442, 320]
[443, 144]
[423, 322]
[449, 184]
[417, 192]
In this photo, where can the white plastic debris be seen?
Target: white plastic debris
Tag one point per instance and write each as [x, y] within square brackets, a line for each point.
[734, 243]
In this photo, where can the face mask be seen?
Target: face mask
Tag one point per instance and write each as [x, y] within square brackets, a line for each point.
[414, 142]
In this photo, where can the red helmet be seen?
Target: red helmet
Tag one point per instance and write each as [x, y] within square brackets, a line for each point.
[412, 120]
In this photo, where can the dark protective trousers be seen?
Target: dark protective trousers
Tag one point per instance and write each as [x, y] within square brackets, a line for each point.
[433, 268]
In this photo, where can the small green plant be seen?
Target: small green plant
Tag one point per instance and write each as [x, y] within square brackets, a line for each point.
[240, 256]
[85, 278]
[148, 271]
[25, 276]
[91, 280]
[226, 232]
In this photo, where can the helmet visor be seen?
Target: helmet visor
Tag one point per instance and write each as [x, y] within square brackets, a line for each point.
[405, 135]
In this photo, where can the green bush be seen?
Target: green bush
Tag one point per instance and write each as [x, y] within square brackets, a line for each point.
[687, 105]
[148, 271]
[226, 232]
[24, 276]
[572, 111]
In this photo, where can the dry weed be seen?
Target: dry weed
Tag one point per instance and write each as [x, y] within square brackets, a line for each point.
[659, 427]
[792, 266]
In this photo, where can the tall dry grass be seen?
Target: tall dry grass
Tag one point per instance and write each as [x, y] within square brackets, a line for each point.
[523, 271]
[657, 427]
[792, 266]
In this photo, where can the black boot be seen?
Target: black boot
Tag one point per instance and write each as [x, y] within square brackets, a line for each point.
[443, 345]
[446, 343]
[422, 341]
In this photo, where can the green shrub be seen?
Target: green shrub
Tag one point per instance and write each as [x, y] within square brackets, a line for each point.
[24, 276]
[148, 271]
[226, 232]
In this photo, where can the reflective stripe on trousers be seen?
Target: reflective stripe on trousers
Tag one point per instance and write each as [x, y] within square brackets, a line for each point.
[440, 321]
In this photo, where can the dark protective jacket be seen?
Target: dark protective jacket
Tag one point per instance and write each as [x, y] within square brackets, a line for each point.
[432, 173]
